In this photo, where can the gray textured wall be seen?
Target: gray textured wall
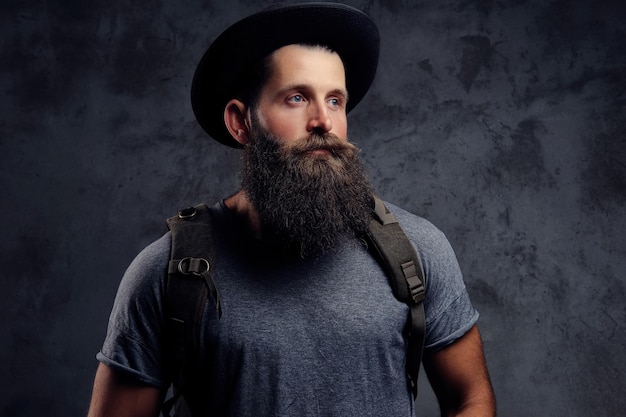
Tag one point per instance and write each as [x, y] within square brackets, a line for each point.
[501, 121]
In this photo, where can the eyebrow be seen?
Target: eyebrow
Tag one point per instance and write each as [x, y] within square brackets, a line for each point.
[337, 91]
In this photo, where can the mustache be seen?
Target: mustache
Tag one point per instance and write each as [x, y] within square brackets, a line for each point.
[327, 141]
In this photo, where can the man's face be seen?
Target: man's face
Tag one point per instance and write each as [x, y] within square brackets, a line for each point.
[305, 93]
[300, 172]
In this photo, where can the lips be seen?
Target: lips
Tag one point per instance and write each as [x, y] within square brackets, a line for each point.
[319, 152]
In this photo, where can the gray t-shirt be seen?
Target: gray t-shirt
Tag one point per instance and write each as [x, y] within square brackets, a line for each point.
[298, 337]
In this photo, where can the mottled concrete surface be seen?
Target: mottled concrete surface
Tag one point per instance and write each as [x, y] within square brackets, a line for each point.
[501, 121]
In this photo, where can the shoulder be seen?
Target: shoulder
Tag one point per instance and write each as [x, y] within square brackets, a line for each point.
[438, 259]
[145, 276]
[155, 251]
[434, 249]
[425, 236]
[153, 257]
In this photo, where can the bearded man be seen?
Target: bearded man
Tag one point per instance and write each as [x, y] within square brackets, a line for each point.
[310, 325]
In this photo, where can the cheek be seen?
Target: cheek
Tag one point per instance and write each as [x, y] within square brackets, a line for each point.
[340, 127]
[284, 131]
[287, 127]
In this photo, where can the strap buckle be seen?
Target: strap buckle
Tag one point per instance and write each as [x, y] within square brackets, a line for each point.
[416, 286]
[195, 266]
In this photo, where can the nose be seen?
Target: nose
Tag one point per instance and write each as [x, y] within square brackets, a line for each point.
[319, 118]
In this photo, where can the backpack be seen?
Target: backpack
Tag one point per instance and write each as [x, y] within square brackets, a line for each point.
[190, 285]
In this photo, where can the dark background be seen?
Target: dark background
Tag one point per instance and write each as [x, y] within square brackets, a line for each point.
[503, 122]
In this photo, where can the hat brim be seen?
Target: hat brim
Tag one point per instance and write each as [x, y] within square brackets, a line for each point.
[344, 29]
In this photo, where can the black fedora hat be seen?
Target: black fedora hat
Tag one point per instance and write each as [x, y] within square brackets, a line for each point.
[344, 29]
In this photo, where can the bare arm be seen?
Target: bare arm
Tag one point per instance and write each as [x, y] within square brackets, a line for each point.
[459, 377]
[115, 396]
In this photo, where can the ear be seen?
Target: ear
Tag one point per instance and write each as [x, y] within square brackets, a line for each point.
[235, 114]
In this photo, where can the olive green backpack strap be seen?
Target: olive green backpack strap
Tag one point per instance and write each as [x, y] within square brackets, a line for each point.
[406, 277]
[189, 287]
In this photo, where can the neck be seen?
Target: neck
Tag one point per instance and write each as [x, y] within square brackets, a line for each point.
[240, 205]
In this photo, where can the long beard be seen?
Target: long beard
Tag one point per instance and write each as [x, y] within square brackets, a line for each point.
[307, 202]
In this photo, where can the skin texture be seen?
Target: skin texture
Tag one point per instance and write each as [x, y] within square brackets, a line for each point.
[306, 92]
[115, 396]
[458, 375]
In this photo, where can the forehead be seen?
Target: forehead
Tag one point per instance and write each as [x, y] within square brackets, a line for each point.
[302, 63]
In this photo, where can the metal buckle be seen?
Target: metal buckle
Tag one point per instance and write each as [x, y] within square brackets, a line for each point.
[187, 213]
[195, 266]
